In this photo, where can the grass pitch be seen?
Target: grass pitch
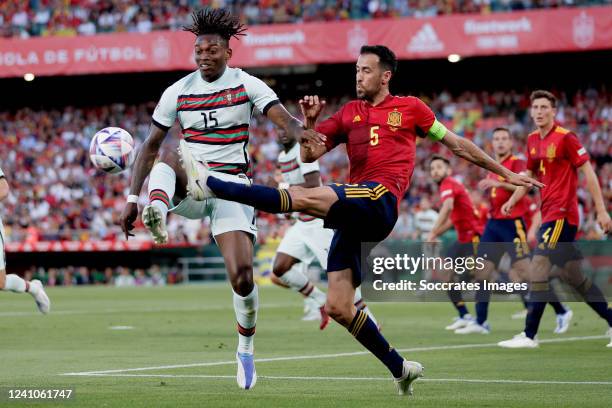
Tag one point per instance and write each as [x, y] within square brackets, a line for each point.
[175, 346]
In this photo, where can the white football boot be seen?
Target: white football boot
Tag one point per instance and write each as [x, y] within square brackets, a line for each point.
[609, 333]
[519, 341]
[197, 174]
[155, 221]
[460, 322]
[474, 328]
[411, 371]
[563, 321]
[40, 297]
[246, 376]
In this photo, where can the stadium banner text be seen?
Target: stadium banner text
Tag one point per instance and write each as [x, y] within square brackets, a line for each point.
[413, 271]
[536, 31]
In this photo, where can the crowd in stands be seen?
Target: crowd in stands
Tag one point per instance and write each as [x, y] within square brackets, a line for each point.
[29, 18]
[119, 276]
[56, 194]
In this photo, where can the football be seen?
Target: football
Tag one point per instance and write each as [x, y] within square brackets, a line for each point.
[112, 150]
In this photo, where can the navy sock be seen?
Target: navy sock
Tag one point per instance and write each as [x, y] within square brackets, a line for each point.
[268, 199]
[538, 295]
[366, 332]
[482, 304]
[457, 299]
[595, 299]
[553, 300]
[523, 295]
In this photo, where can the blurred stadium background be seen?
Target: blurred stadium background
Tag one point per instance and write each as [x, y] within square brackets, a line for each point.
[71, 67]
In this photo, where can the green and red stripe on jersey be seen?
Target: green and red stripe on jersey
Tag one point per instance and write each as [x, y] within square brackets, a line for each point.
[288, 166]
[231, 168]
[222, 99]
[160, 195]
[218, 136]
[305, 217]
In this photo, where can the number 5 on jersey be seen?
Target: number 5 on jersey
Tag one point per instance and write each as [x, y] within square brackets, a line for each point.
[374, 135]
[209, 117]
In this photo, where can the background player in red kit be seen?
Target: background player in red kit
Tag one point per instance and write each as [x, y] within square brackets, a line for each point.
[456, 209]
[506, 234]
[380, 132]
[555, 154]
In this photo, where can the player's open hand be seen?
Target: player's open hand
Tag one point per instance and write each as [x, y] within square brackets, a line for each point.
[604, 221]
[313, 137]
[522, 180]
[311, 107]
[127, 219]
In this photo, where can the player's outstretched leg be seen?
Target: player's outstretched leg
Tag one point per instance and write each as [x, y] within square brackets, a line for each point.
[201, 184]
[14, 283]
[341, 308]
[287, 269]
[161, 187]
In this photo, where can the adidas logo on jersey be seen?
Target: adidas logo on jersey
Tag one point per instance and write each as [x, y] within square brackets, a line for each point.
[357, 118]
[425, 40]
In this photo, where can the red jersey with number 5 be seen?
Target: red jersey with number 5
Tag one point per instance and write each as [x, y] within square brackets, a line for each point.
[380, 140]
[499, 195]
[554, 159]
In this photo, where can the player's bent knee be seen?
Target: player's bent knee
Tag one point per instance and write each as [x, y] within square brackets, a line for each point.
[242, 281]
[340, 312]
[2, 278]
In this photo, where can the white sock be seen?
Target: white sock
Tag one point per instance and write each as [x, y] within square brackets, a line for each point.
[361, 305]
[246, 316]
[162, 183]
[15, 284]
[297, 280]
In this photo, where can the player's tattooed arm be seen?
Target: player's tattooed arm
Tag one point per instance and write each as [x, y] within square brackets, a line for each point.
[467, 150]
[141, 169]
[603, 218]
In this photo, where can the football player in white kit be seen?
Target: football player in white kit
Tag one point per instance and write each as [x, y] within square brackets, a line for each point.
[213, 106]
[306, 239]
[13, 282]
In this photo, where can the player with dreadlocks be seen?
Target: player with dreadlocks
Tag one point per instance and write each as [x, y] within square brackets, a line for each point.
[213, 106]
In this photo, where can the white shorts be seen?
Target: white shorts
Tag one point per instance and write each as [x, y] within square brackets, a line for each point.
[225, 216]
[2, 254]
[307, 240]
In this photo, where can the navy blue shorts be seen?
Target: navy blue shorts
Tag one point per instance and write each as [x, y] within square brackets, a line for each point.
[556, 241]
[365, 213]
[504, 236]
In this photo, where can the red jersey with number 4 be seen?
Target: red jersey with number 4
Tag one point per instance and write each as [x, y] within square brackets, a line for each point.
[499, 195]
[380, 140]
[554, 160]
[463, 216]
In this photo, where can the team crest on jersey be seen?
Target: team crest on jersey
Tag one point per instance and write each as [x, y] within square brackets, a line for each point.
[394, 119]
[533, 151]
[228, 96]
[551, 152]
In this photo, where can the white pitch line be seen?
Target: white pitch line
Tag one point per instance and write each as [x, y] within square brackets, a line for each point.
[320, 356]
[154, 310]
[328, 378]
